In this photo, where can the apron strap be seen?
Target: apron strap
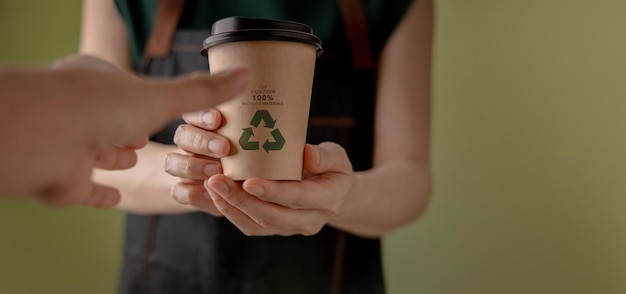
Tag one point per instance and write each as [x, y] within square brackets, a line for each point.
[163, 29]
[354, 17]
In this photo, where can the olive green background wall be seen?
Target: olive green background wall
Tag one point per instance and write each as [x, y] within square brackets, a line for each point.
[529, 158]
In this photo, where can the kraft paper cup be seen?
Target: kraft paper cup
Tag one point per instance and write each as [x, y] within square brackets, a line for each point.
[267, 125]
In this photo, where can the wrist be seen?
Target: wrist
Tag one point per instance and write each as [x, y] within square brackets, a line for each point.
[348, 206]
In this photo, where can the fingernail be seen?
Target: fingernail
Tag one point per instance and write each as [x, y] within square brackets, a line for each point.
[256, 190]
[216, 146]
[179, 194]
[236, 77]
[167, 167]
[208, 118]
[220, 187]
[211, 169]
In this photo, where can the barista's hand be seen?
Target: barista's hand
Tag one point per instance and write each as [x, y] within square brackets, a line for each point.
[203, 149]
[258, 206]
[262, 207]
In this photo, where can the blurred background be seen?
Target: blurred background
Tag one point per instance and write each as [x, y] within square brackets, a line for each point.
[528, 145]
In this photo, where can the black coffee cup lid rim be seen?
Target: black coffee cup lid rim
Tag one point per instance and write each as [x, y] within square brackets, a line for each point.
[237, 29]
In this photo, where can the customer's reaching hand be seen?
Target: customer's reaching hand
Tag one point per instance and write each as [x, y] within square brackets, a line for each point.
[58, 125]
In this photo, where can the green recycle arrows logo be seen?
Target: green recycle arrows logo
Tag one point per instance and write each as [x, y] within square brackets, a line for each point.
[262, 115]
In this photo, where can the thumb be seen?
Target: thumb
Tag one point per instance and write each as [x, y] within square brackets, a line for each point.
[165, 100]
[326, 157]
[200, 90]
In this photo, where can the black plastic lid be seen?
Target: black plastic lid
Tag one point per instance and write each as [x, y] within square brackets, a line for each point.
[237, 28]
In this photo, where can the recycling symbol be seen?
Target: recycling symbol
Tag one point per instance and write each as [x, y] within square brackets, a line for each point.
[262, 115]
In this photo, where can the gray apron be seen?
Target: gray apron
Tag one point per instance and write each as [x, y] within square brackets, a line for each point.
[200, 253]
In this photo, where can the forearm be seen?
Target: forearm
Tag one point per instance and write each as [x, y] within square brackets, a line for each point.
[384, 198]
[145, 188]
[104, 34]
[397, 189]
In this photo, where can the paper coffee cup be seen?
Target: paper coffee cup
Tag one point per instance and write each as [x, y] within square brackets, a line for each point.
[266, 125]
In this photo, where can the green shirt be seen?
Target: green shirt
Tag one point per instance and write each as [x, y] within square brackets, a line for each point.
[321, 15]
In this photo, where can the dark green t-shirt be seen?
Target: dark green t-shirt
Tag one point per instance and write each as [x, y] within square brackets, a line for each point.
[139, 15]
[199, 253]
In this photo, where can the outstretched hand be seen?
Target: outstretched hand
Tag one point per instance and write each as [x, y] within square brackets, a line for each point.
[264, 207]
[86, 114]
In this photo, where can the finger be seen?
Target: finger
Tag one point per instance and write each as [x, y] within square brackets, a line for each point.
[116, 158]
[247, 225]
[268, 217]
[89, 194]
[329, 165]
[205, 205]
[196, 195]
[285, 193]
[326, 157]
[74, 189]
[307, 194]
[201, 91]
[323, 192]
[208, 119]
[167, 99]
[103, 197]
[199, 141]
[183, 192]
[138, 143]
[189, 167]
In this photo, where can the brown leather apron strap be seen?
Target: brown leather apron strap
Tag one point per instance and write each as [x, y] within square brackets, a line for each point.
[354, 17]
[163, 29]
[340, 248]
